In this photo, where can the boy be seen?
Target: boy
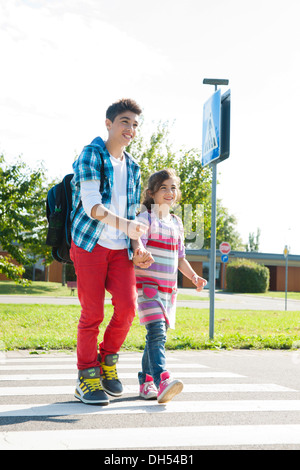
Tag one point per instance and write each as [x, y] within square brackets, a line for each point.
[101, 251]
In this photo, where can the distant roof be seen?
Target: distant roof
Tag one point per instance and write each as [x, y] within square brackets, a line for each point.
[277, 259]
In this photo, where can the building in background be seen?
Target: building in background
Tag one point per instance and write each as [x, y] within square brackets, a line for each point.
[199, 260]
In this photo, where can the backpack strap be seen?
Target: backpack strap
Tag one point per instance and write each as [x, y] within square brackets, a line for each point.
[102, 173]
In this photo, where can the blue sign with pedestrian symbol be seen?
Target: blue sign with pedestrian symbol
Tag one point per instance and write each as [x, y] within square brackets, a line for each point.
[211, 128]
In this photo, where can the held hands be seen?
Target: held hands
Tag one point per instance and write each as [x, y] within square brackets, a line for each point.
[199, 282]
[142, 258]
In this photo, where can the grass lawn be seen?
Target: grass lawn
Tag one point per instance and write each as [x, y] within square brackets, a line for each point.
[52, 289]
[280, 295]
[47, 327]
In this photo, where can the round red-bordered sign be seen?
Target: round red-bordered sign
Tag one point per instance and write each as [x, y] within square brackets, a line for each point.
[225, 248]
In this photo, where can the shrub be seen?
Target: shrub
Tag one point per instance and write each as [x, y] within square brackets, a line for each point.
[246, 276]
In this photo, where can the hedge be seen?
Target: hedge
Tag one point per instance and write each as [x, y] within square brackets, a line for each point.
[247, 276]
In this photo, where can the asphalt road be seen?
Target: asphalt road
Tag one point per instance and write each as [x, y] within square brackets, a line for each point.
[222, 301]
[230, 400]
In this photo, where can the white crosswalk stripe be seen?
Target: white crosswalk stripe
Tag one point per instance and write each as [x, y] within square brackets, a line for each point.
[27, 394]
[133, 438]
[71, 366]
[65, 409]
[133, 389]
[124, 375]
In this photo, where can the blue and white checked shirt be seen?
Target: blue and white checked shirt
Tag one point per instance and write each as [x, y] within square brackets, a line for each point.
[86, 231]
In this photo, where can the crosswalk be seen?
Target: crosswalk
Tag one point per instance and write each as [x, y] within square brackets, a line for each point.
[217, 409]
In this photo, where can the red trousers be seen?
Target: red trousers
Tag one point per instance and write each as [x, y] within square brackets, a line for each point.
[96, 271]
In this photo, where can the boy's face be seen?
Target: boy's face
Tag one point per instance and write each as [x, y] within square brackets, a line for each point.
[123, 129]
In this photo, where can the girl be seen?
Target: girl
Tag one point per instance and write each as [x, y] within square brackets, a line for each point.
[157, 285]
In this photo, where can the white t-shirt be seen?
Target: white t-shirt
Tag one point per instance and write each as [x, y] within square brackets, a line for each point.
[90, 195]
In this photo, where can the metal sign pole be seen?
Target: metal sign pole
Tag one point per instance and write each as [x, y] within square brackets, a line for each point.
[286, 255]
[212, 266]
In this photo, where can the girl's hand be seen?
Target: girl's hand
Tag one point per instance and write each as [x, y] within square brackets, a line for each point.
[199, 282]
[142, 258]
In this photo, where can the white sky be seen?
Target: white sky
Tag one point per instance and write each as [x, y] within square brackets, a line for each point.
[63, 62]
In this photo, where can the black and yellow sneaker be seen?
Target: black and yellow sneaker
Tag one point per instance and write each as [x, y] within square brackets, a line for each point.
[109, 375]
[89, 389]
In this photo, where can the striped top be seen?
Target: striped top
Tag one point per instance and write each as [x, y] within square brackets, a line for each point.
[157, 285]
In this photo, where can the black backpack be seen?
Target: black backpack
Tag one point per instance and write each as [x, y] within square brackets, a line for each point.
[59, 208]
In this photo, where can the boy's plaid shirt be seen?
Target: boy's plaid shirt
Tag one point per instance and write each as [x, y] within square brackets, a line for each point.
[86, 231]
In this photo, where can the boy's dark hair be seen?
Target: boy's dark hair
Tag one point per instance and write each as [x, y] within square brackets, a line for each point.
[120, 106]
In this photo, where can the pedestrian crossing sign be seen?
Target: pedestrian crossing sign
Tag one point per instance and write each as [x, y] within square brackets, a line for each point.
[211, 128]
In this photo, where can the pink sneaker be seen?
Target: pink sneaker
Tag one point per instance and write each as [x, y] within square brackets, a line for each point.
[168, 388]
[148, 389]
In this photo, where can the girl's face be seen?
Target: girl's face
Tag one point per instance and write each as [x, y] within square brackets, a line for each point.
[167, 193]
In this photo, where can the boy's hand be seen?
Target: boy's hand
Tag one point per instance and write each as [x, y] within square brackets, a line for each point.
[135, 229]
[199, 282]
[142, 258]
[132, 228]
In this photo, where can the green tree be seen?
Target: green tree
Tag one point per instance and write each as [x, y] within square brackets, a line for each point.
[157, 153]
[226, 228]
[253, 241]
[22, 217]
[247, 276]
